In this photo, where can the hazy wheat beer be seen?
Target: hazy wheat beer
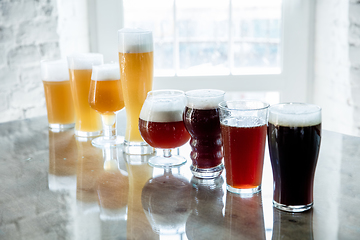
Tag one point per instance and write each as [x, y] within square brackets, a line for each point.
[88, 121]
[106, 85]
[59, 103]
[136, 70]
[294, 135]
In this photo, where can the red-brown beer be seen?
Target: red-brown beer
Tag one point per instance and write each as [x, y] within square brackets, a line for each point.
[243, 154]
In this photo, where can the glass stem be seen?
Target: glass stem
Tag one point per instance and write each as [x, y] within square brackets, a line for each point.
[109, 126]
[167, 153]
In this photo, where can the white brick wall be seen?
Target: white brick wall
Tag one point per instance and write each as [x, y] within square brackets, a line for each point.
[337, 64]
[32, 30]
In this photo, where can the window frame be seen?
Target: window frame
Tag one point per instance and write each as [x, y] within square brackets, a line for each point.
[294, 82]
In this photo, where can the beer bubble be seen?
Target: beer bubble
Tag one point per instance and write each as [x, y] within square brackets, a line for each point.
[106, 72]
[82, 61]
[135, 40]
[244, 121]
[204, 98]
[54, 70]
[295, 114]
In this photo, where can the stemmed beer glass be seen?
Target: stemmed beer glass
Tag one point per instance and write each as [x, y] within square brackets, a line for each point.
[161, 125]
[105, 96]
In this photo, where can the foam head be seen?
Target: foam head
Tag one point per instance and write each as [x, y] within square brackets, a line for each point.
[163, 106]
[106, 72]
[135, 40]
[54, 70]
[295, 114]
[204, 98]
[82, 61]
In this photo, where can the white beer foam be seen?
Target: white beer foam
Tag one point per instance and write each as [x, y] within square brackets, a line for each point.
[204, 98]
[295, 115]
[135, 40]
[163, 109]
[106, 72]
[82, 61]
[54, 70]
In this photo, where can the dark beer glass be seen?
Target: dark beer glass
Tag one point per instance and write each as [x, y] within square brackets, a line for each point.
[201, 118]
[294, 134]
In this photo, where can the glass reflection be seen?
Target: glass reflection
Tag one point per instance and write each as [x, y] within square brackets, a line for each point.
[112, 186]
[244, 216]
[207, 205]
[138, 227]
[292, 225]
[62, 160]
[166, 201]
[89, 166]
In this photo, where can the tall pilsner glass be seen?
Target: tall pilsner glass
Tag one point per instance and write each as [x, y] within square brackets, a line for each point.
[136, 71]
[87, 121]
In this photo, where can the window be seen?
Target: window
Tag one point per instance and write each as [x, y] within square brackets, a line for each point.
[256, 48]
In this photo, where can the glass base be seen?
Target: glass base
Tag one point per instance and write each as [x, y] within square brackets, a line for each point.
[101, 142]
[167, 162]
[137, 148]
[113, 214]
[59, 126]
[207, 172]
[87, 134]
[292, 208]
[243, 191]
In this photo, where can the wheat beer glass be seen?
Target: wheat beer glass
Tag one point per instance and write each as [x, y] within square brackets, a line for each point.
[87, 121]
[161, 125]
[243, 130]
[201, 118]
[105, 96]
[136, 71]
[294, 135]
[59, 103]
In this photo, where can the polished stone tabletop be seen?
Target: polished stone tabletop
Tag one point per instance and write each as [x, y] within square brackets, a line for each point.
[54, 186]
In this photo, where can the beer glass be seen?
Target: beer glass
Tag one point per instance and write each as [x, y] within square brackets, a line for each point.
[105, 96]
[136, 71]
[87, 121]
[161, 125]
[294, 136]
[243, 130]
[59, 103]
[201, 118]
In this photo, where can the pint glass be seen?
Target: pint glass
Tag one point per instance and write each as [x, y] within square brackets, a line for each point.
[88, 121]
[136, 71]
[243, 130]
[294, 135]
[59, 103]
[201, 118]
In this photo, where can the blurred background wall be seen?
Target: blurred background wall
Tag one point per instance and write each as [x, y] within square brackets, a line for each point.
[32, 30]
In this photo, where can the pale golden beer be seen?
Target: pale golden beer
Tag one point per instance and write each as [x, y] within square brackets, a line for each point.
[88, 121]
[59, 103]
[136, 70]
[106, 97]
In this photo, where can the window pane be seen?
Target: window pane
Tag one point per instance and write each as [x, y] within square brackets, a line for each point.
[157, 16]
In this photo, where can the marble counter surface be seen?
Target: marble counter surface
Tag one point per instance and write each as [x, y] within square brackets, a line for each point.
[53, 186]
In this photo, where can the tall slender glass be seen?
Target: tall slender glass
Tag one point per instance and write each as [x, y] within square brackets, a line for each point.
[88, 121]
[161, 125]
[105, 96]
[201, 118]
[136, 71]
[59, 102]
[294, 136]
[243, 130]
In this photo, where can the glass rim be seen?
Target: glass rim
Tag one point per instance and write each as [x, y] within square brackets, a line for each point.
[178, 92]
[136, 31]
[275, 108]
[222, 105]
[217, 93]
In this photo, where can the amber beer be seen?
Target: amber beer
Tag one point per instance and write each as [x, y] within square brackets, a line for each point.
[294, 136]
[88, 121]
[59, 103]
[136, 70]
